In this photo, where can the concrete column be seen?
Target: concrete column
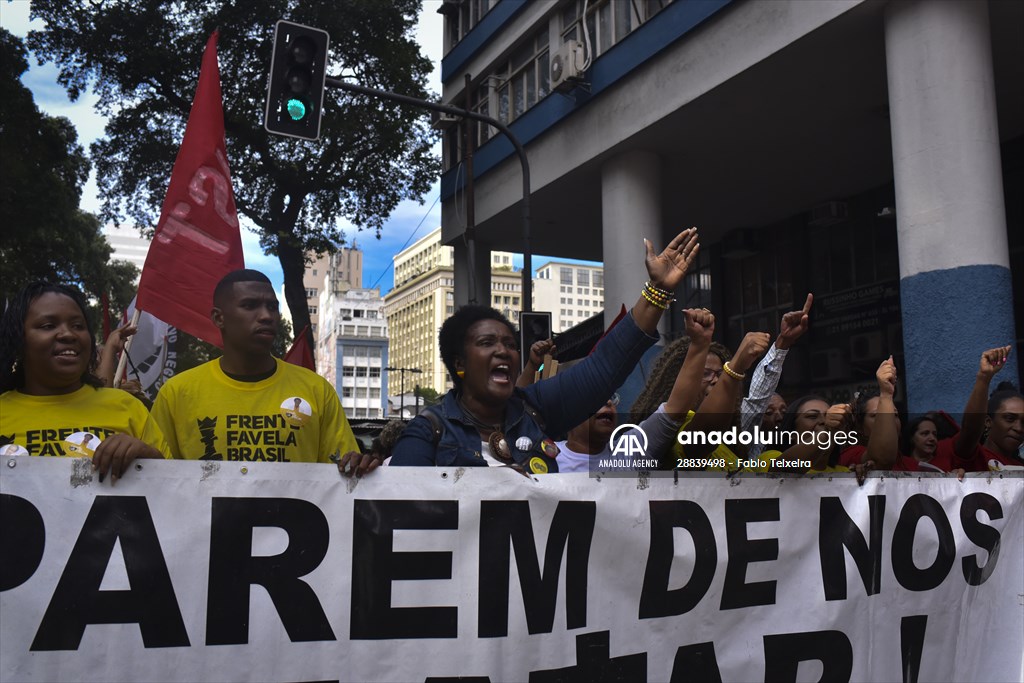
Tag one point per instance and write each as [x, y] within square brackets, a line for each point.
[472, 278]
[631, 211]
[955, 285]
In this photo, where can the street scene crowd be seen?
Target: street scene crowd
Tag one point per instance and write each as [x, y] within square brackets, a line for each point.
[57, 397]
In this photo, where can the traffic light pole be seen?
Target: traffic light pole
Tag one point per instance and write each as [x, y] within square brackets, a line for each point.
[527, 298]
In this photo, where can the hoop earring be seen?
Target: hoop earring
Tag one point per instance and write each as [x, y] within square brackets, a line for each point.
[460, 373]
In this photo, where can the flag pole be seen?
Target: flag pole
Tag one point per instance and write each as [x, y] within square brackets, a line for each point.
[123, 362]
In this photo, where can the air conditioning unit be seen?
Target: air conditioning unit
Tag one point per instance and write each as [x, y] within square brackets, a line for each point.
[566, 66]
[441, 121]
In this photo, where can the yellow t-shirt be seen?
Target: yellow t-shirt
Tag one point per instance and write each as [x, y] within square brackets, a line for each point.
[73, 424]
[722, 459]
[292, 416]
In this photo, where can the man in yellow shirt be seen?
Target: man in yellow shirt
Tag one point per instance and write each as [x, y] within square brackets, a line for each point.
[248, 405]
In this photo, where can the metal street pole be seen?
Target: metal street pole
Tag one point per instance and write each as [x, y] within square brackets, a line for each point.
[401, 398]
[465, 113]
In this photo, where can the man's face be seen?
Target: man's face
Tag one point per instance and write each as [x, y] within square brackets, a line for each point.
[248, 316]
[774, 413]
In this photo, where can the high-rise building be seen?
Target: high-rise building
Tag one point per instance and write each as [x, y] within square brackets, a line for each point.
[127, 245]
[352, 347]
[345, 269]
[571, 292]
[423, 298]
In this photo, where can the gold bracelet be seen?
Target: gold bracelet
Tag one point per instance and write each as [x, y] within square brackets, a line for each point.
[652, 301]
[732, 373]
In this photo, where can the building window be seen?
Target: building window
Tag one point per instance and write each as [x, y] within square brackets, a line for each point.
[583, 277]
[312, 310]
[598, 280]
[361, 372]
[360, 392]
[346, 392]
[348, 371]
[311, 293]
[565, 276]
[374, 392]
[374, 373]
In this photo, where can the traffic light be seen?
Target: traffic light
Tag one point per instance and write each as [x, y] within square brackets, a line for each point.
[533, 327]
[295, 89]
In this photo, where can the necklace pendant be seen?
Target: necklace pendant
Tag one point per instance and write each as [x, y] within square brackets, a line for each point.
[499, 446]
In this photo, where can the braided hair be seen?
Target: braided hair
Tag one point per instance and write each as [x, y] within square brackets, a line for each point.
[12, 333]
[663, 376]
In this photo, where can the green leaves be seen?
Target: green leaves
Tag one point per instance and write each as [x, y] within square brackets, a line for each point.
[142, 57]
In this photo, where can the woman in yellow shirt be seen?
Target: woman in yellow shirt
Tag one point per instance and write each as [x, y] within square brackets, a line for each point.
[50, 402]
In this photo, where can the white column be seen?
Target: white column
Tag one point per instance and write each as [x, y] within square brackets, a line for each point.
[945, 139]
[630, 211]
[955, 285]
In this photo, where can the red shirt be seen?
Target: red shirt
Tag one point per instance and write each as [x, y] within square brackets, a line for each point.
[853, 455]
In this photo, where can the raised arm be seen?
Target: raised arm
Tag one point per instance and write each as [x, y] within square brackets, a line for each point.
[665, 272]
[569, 398]
[700, 327]
[108, 354]
[883, 445]
[717, 409]
[537, 351]
[973, 423]
[769, 370]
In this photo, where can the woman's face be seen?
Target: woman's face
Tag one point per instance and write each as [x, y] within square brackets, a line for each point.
[490, 361]
[1006, 427]
[925, 440]
[811, 417]
[57, 348]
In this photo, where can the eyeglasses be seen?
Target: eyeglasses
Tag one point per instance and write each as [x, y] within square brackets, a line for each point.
[710, 374]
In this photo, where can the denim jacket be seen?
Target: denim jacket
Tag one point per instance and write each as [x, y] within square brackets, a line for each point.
[565, 400]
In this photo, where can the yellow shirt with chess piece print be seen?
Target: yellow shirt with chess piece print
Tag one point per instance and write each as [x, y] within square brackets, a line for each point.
[292, 416]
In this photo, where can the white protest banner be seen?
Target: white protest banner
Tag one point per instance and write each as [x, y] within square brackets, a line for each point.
[230, 571]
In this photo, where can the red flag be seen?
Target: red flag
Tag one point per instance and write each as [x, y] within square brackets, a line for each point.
[197, 240]
[300, 353]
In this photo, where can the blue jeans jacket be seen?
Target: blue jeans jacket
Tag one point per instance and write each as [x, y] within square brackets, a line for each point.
[564, 401]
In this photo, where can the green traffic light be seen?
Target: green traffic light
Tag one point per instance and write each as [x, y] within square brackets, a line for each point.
[296, 109]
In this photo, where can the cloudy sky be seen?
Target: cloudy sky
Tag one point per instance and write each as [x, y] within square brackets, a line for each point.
[408, 222]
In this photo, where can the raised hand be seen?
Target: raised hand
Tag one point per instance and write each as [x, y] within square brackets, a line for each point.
[539, 349]
[700, 325]
[886, 376]
[836, 416]
[752, 347]
[794, 324]
[667, 269]
[993, 360]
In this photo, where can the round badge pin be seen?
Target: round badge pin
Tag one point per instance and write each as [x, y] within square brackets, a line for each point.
[538, 466]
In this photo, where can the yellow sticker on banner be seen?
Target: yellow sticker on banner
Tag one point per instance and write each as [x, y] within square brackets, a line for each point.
[538, 466]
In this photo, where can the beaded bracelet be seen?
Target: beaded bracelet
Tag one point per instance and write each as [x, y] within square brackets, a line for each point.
[657, 296]
[652, 301]
[732, 373]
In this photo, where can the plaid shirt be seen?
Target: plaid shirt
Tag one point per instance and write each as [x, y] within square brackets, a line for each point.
[762, 386]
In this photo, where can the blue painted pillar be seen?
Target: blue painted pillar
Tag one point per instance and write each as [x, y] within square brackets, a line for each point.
[955, 286]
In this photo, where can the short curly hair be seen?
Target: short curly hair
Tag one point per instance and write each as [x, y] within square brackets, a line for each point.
[452, 337]
[12, 333]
